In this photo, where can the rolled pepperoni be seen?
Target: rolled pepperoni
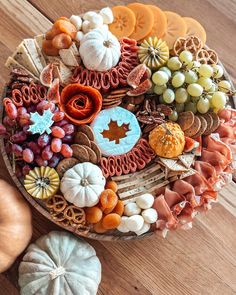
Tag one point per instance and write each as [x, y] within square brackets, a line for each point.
[125, 168]
[42, 92]
[105, 81]
[104, 167]
[26, 95]
[97, 82]
[140, 163]
[114, 78]
[17, 98]
[77, 74]
[34, 97]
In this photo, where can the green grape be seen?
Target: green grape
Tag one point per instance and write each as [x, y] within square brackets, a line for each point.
[205, 71]
[218, 100]
[206, 83]
[166, 70]
[161, 100]
[168, 95]
[181, 95]
[214, 88]
[160, 78]
[224, 86]
[174, 63]
[186, 56]
[190, 106]
[203, 105]
[160, 89]
[193, 65]
[190, 77]
[173, 116]
[178, 80]
[195, 89]
[218, 71]
[195, 99]
[179, 107]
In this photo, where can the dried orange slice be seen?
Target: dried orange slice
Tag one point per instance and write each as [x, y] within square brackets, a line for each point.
[160, 22]
[124, 21]
[144, 20]
[176, 28]
[195, 28]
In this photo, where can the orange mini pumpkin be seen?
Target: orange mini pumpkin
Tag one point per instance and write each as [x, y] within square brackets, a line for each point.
[167, 140]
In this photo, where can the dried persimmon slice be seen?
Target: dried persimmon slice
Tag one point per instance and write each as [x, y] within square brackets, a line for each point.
[124, 21]
[176, 28]
[194, 28]
[144, 20]
[160, 22]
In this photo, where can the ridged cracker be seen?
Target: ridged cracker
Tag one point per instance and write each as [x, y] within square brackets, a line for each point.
[195, 127]
[186, 120]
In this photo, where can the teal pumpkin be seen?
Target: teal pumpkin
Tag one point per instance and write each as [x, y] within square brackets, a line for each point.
[60, 264]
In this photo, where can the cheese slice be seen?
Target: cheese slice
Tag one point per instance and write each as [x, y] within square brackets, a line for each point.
[22, 56]
[12, 64]
[187, 159]
[68, 57]
[32, 50]
[39, 40]
[74, 48]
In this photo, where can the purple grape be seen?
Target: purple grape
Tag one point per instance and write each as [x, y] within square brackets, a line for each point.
[67, 138]
[43, 140]
[21, 111]
[53, 162]
[28, 155]
[68, 128]
[26, 130]
[47, 153]
[61, 123]
[32, 109]
[40, 161]
[26, 169]
[18, 137]
[34, 147]
[9, 122]
[2, 129]
[24, 119]
[17, 150]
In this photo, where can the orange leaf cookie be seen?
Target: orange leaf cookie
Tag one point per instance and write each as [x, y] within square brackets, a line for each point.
[176, 28]
[160, 22]
[124, 21]
[195, 28]
[144, 20]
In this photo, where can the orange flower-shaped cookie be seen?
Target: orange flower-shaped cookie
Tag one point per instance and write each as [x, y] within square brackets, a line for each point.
[80, 103]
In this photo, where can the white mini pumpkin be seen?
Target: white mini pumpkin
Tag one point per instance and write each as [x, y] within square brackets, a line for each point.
[60, 263]
[83, 184]
[99, 50]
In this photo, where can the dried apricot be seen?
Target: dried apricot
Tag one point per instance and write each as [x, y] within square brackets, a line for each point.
[65, 27]
[49, 49]
[144, 20]
[52, 33]
[98, 227]
[111, 184]
[111, 221]
[62, 41]
[119, 208]
[108, 199]
[124, 21]
[93, 214]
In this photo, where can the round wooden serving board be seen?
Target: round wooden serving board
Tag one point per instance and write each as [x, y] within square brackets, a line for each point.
[39, 205]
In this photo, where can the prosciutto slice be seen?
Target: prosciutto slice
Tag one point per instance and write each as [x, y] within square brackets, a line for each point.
[216, 159]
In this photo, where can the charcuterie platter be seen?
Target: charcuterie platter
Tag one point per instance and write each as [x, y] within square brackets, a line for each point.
[119, 123]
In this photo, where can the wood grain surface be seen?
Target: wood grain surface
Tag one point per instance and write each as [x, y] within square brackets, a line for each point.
[200, 261]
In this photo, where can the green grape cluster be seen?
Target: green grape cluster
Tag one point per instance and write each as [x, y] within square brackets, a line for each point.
[191, 86]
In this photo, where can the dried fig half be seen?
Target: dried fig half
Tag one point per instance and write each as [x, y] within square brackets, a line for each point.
[46, 76]
[135, 76]
[141, 89]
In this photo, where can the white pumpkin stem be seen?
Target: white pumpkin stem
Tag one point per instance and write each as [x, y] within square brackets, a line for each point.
[107, 43]
[59, 271]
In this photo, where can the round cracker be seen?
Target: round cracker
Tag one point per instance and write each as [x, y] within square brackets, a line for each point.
[186, 120]
[195, 127]
[80, 152]
[82, 138]
[92, 155]
[202, 128]
[209, 121]
[87, 130]
[216, 121]
[97, 151]
[65, 165]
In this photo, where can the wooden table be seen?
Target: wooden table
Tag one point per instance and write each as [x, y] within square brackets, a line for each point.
[200, 261]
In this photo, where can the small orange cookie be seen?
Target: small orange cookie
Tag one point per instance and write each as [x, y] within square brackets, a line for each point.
[160, 22]
[93, 214]
[176, 28]
[111, 221]
[124, 21]
[194, 28]
[144, 20]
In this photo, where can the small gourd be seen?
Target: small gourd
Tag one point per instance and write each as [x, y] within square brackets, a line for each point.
[153, 52]
[83, 184]
[167, 140]
[99, 50]
[60, 263]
